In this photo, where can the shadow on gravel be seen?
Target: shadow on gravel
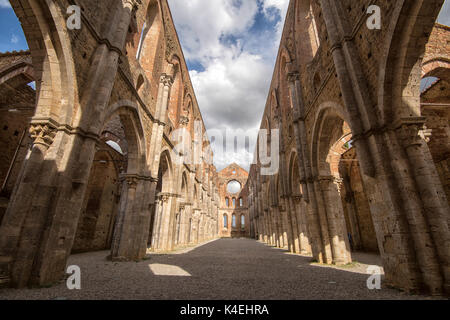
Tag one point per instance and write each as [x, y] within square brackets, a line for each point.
[228, 269]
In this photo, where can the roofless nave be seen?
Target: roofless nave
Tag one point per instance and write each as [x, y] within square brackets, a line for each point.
[88, 157]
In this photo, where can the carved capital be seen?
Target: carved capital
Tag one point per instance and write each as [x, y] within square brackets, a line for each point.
[131, 181]
[411, 135]
[184, 121]
[42, 134]
[166, 80]
[164, 198]
[293, 76]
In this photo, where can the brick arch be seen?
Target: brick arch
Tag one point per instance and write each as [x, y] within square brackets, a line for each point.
[329, 129]
[141, 82]
[47, 36]
[400, 71]
[165, 182]
[134, 135]
[188, 112]
[152, 32]
[285, 54]
[305, 22]
[294, 184]
[176, 92]
[437, 67]
[274, 103]
[184, 186]
[19, 68]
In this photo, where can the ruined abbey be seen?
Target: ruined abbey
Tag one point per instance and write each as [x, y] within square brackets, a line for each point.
[90, 160]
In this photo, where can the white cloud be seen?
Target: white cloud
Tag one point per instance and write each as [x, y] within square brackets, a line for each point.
[444, 16]
[14, 39]
[238, 64]
[5, 4]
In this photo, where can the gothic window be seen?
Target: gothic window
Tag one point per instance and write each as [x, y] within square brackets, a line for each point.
[141, 40]
[308, 31]
[225, 221]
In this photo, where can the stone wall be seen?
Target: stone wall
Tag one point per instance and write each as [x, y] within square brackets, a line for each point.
[339, 85]
[121, 78]
[233, 206]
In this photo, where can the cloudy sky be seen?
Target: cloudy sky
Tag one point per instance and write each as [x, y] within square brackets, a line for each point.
[230, 47]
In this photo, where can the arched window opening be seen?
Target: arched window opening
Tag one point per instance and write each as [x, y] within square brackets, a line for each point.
[308, 31]
[234, 221]
[227, 202]
[242, 222]
[150, 36]
[141, 40]
[139, 83]
[225, 221]
[427, 82]
[233, 186]
[241, 202]
[234, 202]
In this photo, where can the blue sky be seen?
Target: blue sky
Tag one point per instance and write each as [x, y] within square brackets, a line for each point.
[11, 37]
[230, 47]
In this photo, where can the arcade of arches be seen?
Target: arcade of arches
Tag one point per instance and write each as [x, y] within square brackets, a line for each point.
[364, 141]
[88, 158]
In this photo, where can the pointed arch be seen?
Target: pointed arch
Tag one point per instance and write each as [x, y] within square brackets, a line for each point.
[151, 35]
[401, 68]
[131, 121]
[308, 40]
[53, 60]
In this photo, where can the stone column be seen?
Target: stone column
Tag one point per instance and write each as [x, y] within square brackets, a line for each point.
[296, 228]
[296, 204]
[349, 202]
[267, 236]
[336, 221]
[126, 221]
[428, 219]
[319, 242]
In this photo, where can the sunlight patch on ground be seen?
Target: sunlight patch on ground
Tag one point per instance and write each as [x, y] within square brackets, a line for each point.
[168, 270]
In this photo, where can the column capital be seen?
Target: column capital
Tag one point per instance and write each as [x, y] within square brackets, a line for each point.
[43, 134]
[131, 181]
[293, 76]
[166, 80]
[184, 121]
[412, 134]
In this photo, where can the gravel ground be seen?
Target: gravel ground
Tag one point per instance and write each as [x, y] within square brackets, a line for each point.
[228, 269]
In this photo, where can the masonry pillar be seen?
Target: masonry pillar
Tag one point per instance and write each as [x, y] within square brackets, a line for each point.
[39, 227]
[296, 224]
[131, 231]
[319, 243]
[335, 221]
